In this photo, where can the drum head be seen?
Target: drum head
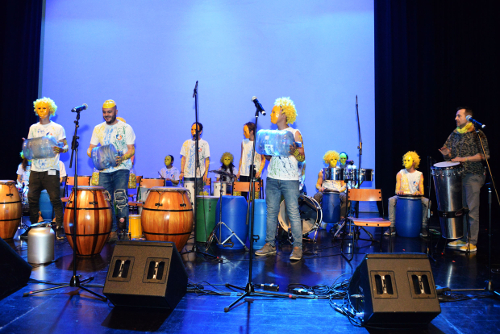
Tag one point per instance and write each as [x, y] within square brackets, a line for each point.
[310, 215]
[163, 189]
[446, 164]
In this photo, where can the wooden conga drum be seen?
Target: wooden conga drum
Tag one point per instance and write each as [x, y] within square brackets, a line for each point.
[93, 220]
[11, 209]
[167, 215]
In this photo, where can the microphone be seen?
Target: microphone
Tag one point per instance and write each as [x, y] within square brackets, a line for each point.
[80, 108]
[470, 119]
[258, 106]
[195, 89]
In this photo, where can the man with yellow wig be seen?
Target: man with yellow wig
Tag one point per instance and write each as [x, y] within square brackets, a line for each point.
[409, 181]
[283, 180]
[115, 179]
[45, 173]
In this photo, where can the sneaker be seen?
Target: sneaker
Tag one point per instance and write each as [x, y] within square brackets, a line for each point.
[60, 234]
[456, 243]
[390, 231]
[466, 248]
[113, 237]
[423, 232]
[268, 249]
[296, 254]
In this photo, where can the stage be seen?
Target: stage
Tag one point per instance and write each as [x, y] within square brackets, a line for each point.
[76, 311]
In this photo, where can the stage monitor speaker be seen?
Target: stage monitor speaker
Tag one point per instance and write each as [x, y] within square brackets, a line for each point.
[394, 290]
[146, 274]
[14, 271]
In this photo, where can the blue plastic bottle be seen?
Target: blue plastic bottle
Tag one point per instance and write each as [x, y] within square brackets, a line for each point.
[274, 142]
[40, 148]
[104, 157]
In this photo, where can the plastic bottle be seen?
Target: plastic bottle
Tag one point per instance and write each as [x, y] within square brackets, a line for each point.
[104, 157]
[274, 142]
[132, 180]
[94, 181]
[40, 148]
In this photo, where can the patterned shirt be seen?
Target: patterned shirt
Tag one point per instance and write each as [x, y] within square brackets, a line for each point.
[119, 135]
[39, 130]
[284, 168]
[466, 145]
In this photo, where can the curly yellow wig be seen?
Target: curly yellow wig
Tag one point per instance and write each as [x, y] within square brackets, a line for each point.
[288, 108]
[52, 105]
[414, 156]
[330, 155]
[226, 154]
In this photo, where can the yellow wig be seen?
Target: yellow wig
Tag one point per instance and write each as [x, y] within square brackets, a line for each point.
[224, 155]
[330, 155]
[288, 108]
[414, 156]
[52, 105]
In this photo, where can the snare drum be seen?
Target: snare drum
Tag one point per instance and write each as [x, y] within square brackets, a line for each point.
[310, 214]
[447, 177]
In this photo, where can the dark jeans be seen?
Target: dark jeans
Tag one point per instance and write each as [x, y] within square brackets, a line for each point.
[116, 184]
[38, 182]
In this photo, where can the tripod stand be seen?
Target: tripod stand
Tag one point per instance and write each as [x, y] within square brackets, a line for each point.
[76, 280]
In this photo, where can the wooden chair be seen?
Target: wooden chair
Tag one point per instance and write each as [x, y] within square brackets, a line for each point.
[367, 195]
[245, 186]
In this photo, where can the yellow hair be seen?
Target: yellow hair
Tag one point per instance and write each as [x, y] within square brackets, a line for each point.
[288, 108]
[329, 156]
[414, 156]
[226, 154]
[51, 103]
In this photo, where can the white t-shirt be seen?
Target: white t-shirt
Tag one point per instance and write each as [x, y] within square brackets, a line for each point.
[246, 158]
[120, 135]
[284, 168]
[172, 173]
[62, 169]
[38, 130]
[25, 174]
[188, 151]
[410, 181]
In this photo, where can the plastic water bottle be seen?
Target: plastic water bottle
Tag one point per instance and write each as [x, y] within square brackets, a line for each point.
[274, 142]
[104, 157]
[40, 148]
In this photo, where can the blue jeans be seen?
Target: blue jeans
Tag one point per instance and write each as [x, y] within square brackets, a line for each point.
[116, 183]
[290, 191]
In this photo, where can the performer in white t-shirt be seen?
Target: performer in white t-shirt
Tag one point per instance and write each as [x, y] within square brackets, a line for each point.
[246, 156]
[170, 173]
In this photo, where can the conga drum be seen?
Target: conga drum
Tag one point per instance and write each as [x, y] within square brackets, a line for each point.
[167, 215]
[93, 220]
[11, 209]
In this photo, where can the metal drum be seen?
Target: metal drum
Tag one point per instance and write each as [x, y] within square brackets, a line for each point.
[330, 205]
[408, 215]
[234, 214]
[11, 210]
[41, 245]
[335, 174]
[310, 215]
[447, 177]
[167, 215]
[366, 174]
[93, 219]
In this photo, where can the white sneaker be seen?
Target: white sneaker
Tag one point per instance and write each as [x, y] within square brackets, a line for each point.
[466, 248]
[456, 243]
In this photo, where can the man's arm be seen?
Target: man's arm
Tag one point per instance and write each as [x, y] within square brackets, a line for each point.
[63, 149]
[398, 185]
[239, 167]
[183, 163]
[207, 164]
[262, 164]
[130, 153]
[320, 181]
[420, 190]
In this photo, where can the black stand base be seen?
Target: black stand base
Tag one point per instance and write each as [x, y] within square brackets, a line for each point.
[75, 282]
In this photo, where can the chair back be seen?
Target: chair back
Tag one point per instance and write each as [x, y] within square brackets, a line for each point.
[149, 183]
[245, 186]
[82, 181]
[364, 195]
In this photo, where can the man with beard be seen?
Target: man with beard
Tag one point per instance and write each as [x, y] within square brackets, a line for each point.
[115, 179]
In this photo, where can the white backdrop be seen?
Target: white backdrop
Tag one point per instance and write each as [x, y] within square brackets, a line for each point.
[147, 56]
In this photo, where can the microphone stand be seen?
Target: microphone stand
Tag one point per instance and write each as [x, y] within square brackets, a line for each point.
[76, 280]
[249, 288]
[360, 150]
[489, 286]
[196, 169]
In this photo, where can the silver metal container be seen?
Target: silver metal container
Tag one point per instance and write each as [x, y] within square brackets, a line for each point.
[448, 183]
[41, 241]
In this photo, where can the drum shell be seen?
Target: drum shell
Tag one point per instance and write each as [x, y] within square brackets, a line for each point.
[45, 206]
[41, 245]
[334, 174]
[11, 209]
[93, 220]
[167, 215]
[134, 226]
[234, 214]
[330, 205]
[448, 185]
[367, 174]
[206, 208]
[408, 216]
[260, 223]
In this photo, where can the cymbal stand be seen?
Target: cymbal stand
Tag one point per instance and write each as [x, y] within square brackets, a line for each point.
[76, 280]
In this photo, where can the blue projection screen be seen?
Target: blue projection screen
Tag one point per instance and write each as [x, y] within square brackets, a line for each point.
[148, 55]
